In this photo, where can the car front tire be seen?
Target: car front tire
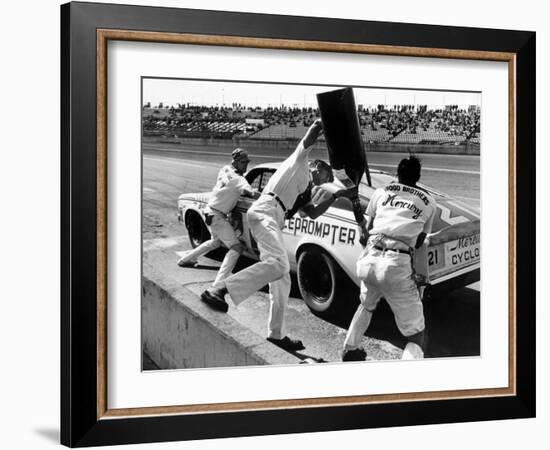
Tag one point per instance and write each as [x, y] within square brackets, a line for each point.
[319, 280]
[196, 229]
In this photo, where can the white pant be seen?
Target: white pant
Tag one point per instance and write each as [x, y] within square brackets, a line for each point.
[386, 274]
[222, 233]
[265, 219]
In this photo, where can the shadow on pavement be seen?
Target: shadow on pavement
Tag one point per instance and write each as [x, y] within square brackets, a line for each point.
[452, 319]
[452, 323]
[148, 363]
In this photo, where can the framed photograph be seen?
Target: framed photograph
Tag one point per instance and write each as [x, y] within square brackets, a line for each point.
[278, 224]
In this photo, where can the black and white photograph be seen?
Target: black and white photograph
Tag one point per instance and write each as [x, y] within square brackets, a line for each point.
[264, 225]
[289, 224]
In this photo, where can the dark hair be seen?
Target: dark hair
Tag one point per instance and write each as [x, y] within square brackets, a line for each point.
[408, 169]
[319, 164]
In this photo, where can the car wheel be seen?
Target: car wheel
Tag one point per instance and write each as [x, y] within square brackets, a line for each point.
[196, 228]
[319, 280]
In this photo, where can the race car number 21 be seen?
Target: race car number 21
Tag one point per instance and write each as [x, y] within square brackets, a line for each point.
[435, 259]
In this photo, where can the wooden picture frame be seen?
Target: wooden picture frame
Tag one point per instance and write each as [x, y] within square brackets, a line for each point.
[85, 416]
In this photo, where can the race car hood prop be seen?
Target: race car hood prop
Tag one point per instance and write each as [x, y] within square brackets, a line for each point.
[344, 143]
[342, 133]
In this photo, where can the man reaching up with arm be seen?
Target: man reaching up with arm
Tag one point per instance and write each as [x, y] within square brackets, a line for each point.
[266, 219]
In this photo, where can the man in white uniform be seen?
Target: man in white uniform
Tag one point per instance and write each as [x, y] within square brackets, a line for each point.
[399, 216]
[230, 185]
[266, 220]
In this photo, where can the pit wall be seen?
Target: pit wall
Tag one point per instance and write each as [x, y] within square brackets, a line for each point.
[288, 145]
[179, 331]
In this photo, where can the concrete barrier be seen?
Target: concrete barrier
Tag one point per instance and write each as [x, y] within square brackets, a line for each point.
[259, 144]
[179, 331]
[289, 145]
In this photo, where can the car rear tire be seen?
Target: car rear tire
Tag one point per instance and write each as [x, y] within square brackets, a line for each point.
[319, 280]
[196, 229]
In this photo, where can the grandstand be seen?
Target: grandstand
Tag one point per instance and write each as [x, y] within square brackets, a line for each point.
[281, 131]
[474, 139]
[379, 135]
[400, 124]
[428, 137]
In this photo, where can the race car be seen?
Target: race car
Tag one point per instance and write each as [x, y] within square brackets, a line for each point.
[323, 252]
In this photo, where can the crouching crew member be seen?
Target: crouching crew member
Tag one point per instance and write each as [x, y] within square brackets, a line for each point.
[399, 216]
[230, 185]
[266, 219]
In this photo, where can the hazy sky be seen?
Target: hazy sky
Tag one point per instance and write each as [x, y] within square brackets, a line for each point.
[218, 93]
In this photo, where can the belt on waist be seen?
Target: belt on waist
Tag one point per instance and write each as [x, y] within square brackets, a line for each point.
[279, 201]
[218, 211]
[398, 250]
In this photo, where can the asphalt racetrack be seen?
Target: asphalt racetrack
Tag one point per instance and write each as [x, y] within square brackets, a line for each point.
[453, 319]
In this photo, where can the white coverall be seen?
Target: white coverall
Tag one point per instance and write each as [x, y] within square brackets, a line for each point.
[266, 221]
[226, 193]
[400, 213]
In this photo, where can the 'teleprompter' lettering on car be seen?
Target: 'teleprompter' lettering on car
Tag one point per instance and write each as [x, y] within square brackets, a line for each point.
[336, 233]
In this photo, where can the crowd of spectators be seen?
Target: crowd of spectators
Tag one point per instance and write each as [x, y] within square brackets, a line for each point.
[411, 119]
[386, 123]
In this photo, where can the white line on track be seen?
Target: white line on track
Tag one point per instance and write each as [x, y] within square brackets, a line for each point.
[281, 158]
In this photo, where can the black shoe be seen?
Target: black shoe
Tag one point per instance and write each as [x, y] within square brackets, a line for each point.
[214, 301]
[290, 345]
[357, 354]
[183, 263]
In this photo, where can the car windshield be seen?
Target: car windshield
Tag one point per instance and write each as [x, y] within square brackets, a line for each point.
[258, 178]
